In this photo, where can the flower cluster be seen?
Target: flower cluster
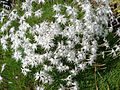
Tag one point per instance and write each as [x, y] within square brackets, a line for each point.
[6, 4]
[3, 13]
[84, 33]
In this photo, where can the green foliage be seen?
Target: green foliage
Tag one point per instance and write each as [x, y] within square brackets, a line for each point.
[13, 79]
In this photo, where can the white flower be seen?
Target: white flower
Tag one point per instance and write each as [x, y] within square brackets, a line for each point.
[41, 1]
[93, 50]
[69, 78]
[24, 6]
[13, 15]
[27, 6]
[38, 13]
[94, 43]
[4, 47]
[62, 68]
[1, 79]
[17, 55]
[75, 86]
[118, 32]
[22, 19]
[81, 55]
[3, 67]
[37, 76]
[4, 27]
[110, 29]
[69, 83]
[74, 71]
[6, 6]
[47, 68]
[82, 66]
[117, 48]
[103, 54]
[71, 56]
[12, 29]
[1, 19]
[56, 8]
[54, 61]
[3, 40]
[39, 88]
[28, 14]
[106, 43]
[91, 58]
[10, 82]
[62, 87]
[77, 0]
[71, 11]
[24, 26]
[113, 52]
[85, 48]
[43, 77]
[25, 70]
[60, 18]
[86, 7]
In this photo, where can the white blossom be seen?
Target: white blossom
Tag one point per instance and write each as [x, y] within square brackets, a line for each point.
[38, 13]
[39, 88]
[118, 32]
[41, 1]
[43, 77]
[82, 66]
[71, 11]
[117, 48]
[69, 78]
[113, 52]
[25, 70]
[62, 67]
[28, 14]
[93, 50]
[1, 79]
[27, 5]
[47, 68]
[103, 54]
[17, 55]
[13, 15]
[3, 67]
[60, 18]
[56, 8]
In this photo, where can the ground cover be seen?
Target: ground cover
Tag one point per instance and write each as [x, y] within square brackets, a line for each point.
[103, 74]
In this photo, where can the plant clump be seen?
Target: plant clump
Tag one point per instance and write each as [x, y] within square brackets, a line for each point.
[66, 43]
